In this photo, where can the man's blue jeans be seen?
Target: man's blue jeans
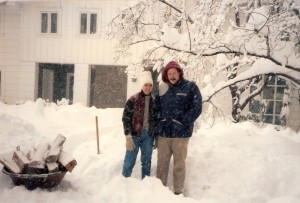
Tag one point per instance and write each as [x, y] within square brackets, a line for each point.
[145, 143]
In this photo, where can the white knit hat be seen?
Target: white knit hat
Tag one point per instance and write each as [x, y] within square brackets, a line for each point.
[145, 77]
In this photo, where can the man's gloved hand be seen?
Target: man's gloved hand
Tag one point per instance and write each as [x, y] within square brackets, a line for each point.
[129, 143]
[155, 143]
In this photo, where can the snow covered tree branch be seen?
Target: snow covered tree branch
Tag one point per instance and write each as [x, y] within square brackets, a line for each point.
[262, 37]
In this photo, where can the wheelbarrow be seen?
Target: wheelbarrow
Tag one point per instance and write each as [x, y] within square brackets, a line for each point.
[32, 181]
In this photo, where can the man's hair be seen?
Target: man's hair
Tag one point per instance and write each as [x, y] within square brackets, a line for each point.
[170, 65]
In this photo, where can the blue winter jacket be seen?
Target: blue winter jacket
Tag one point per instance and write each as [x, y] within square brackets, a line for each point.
[178, 109]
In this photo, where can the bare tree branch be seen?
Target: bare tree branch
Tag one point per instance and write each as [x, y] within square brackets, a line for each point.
[171, 5]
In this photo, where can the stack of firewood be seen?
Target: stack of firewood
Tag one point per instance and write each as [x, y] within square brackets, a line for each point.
[45, 158]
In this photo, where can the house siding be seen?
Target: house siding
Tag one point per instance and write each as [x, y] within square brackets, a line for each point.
[10, 52]
[68, 46]
[294, 113]
[81, 84]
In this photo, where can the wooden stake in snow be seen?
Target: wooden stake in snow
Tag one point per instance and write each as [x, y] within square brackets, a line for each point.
[97, 132]
[56, 148]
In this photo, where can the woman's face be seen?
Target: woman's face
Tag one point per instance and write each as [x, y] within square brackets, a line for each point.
[147, 88]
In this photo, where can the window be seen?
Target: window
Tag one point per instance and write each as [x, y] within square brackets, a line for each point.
[49, 22]
[272, 97]
[88, 23]
[56, 81]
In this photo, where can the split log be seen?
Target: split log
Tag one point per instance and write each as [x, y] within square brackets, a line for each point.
[37, 164]
[52, 167]
[67, 160]
[10, 164]
[30, 154]
[21, 159]
[56, 148]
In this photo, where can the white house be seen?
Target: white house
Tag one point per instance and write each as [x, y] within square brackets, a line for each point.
[52, 50]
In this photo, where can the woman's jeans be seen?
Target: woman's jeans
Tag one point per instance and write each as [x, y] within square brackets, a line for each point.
[145, 143]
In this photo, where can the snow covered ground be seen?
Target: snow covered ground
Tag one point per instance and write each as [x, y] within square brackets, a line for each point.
[226, 164]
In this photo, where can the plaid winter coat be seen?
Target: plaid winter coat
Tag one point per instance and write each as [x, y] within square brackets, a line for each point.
[133, 115]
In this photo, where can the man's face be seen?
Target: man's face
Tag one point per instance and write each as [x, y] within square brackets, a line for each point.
[173, 75]
[147, 88]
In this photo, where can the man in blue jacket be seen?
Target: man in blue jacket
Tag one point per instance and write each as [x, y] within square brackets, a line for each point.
[178, 107]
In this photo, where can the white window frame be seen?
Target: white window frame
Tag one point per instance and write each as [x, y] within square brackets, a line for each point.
[274, 99]
[274, 86]
[89, 13]
[49, 12]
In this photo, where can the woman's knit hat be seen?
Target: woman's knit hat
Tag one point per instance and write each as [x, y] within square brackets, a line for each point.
[171, 64]
[145, 77]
